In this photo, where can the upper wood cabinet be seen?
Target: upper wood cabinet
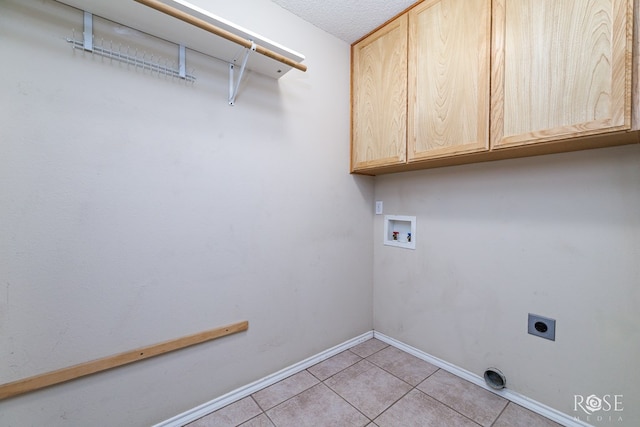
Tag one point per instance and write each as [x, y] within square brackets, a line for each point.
[448, 78]
[379, 98]
[461, 81]
[560, 69]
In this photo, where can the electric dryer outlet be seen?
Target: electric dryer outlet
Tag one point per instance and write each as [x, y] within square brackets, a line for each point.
[543, 327]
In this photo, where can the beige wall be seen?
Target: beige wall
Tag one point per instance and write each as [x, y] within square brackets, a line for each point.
[557, 236]
[135, 209]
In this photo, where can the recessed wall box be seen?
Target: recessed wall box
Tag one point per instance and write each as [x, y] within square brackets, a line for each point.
[400, 231]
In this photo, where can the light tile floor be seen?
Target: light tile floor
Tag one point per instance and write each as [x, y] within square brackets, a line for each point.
[373, 385]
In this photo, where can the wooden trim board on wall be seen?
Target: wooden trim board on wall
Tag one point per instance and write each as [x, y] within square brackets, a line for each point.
[59, 376]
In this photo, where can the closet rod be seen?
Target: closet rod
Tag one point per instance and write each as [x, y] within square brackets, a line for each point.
[183, 16]
[76, 371]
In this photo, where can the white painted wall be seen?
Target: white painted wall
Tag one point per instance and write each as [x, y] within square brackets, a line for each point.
[136, 209]
[554, 235]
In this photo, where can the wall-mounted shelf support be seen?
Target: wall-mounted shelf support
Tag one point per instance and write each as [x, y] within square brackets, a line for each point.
[182, 57]
[88, 45]
[189, 18]
[233, 83]
[87, 32]
[233, 45]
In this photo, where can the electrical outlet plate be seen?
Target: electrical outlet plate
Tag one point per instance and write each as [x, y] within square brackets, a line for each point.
[542, 327]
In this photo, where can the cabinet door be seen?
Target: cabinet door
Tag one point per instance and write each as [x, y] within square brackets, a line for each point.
[561, 69]
[379, 98]
[448, 85]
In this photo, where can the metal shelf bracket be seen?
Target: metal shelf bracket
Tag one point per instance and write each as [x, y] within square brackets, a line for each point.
[88, 32]
[234, 83]
[96, 47]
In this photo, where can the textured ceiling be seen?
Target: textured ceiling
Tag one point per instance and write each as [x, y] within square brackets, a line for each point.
[348, 20]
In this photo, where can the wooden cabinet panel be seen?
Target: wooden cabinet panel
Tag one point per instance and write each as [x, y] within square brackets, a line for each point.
[461, 81]
[448, 85]
[560, 69]
[379, 97]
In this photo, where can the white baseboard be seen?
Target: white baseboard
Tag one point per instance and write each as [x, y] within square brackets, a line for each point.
[242, 392]
[530, 404]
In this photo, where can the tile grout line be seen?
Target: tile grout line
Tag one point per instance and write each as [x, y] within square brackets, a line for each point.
[415, 387]
[453, 409]
[390, 373]
[287, 399]
[347, 402]
[388, 343]
[500, 414]
[371, 420]
[361, 358]
[207, 408]
[511, 396]
[336, 373]
[264, 411]
[319, 382]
